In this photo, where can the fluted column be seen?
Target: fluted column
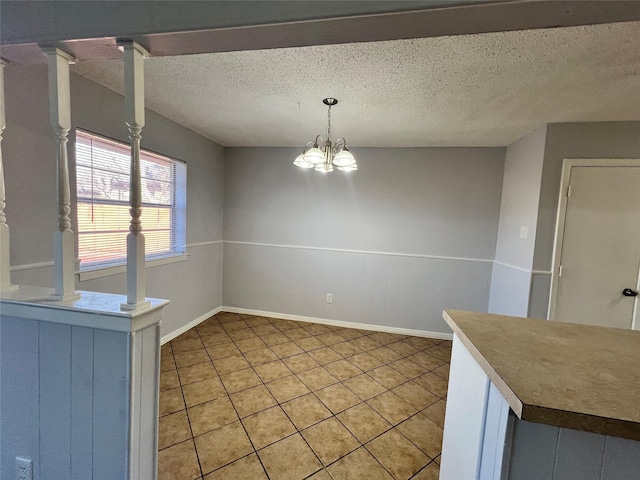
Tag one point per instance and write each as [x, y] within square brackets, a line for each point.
[134, 56]
[5, 261]
[60, 116]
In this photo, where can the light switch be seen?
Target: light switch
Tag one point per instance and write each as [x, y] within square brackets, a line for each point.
[524, 231]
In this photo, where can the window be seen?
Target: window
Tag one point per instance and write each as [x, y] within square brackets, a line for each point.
[102, 181]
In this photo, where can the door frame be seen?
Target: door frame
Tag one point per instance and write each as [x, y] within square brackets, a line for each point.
[567, 165]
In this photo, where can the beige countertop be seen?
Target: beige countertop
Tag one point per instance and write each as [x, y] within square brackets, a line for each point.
[568, 375]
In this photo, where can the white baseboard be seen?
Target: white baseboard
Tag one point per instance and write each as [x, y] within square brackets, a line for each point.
[340, 323]
[170, 336]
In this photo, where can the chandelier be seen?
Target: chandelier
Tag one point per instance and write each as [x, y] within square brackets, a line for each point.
[322, 155]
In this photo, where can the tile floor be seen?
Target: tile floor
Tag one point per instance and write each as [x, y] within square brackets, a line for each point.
[247, 397]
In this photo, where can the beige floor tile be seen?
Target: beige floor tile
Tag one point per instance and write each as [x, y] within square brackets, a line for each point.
[169, 379]
[201, 392]
[268, 426]
[297, 333]
[365, 362]
[167, 363]
[346, 349]
[391, 407]
[403, 348]
[230, 364]
[397, 454]
[235, 325]
[385, 354]
[364, 386]
[343, 369]
[242, 334]
[266, 329]
[316, 328]
[275, 339]
[165, 350]
[192, 357]
[207, 330]
[415, 395]
[351, 333]
[384, 338]
[306, 411]
[366, 343]
[320, 475]
[330, 338]
[252, 400]
[437, 460]
[330, 440]
[222, 446]
[442, 371]
[250, 344]
[260, 356]
[185, 345]
[408, 368]
[300, 363]
[443, 354]
[287, 388]
[436, 412]
[364, 422]
[421, 342]
[424, 433]
[178, 462]
[325, 355]
[196, 373]
[337, 398]
[211, 415]
[272, 371]
[289, 459]
[286, 349]
[172, 429]
[247, 468]
[433, 383]
[191, 333]
[317, 378]
[217, 339]
[429, 362]
[236, 381]
[284, 325]
[387, 376]
[358, 465]
[224, 317]
[254, 321]
[430, 472]
[222, 350]
[171, 401]
[309, 343]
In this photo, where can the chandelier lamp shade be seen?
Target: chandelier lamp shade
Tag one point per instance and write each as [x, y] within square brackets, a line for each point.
[322, 155]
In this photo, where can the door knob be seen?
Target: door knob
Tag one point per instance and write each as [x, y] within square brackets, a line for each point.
[627, 292]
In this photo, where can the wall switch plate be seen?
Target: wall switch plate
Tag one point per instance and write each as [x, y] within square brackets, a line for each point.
[524, 231]
[24, 469]
[329, 297]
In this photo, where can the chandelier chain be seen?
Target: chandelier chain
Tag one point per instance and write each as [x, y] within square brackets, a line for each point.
[329, 123]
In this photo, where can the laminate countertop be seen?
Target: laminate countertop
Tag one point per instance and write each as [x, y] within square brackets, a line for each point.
[562, 374]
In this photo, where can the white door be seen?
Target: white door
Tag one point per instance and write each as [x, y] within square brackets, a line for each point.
[597, 269]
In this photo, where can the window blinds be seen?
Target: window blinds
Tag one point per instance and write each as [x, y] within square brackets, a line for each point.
[102, 180]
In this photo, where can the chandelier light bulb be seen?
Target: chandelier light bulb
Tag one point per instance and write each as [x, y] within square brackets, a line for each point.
[323, 159]
[344, 158]
[302, 163]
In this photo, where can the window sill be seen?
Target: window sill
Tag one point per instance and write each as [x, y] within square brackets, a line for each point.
[100, 272]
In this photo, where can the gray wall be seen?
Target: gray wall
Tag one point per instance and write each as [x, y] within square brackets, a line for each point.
[412, 232]
[511, 276]
[194, 287]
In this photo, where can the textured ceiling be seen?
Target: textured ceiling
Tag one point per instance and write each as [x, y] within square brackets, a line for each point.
[472, 90]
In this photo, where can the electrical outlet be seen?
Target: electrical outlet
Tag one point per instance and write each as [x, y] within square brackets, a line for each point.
[24, 469]
[329, 297]
[524, 231]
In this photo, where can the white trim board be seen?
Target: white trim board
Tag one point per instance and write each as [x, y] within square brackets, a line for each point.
[170, 336]
[341, 323]
[366, 252]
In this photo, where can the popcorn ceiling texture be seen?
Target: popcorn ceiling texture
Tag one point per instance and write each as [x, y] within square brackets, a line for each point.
[471, 90]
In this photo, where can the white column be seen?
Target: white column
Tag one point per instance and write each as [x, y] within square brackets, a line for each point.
[60, 113]
[5, 261]
[134, 56]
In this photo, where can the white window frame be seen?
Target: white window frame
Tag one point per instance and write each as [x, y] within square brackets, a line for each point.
[178, 254]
